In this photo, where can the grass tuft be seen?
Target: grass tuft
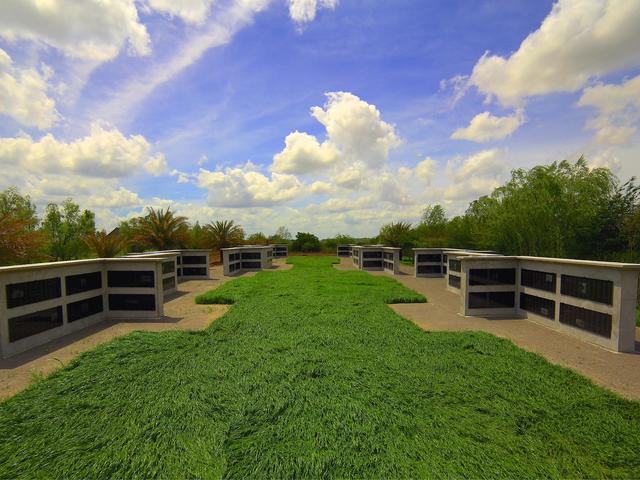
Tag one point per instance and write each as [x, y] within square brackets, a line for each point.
[310, 374]
[212, 298]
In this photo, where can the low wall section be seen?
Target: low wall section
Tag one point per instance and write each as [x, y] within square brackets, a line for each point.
[42, 302]
[594, 301]
[376, 257]
[246, 258]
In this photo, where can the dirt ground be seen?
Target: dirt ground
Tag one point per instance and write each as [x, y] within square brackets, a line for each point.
[619, 372]
[181, 313]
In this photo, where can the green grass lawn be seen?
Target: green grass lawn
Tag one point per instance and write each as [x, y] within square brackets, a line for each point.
[310, 374]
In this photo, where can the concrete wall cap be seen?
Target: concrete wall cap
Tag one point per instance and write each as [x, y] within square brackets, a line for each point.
[175, 251]
[454, 250]
[165, 254]
[569, 261]
[247, 247]
[73, 263]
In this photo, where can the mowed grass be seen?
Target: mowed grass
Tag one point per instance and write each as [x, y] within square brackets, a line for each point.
[310, 374]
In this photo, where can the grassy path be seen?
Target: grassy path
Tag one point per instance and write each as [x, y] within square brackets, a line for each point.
[310, 374]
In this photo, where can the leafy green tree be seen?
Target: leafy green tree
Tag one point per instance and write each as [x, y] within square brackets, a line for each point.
[459, 232]
[631, 227]
[65, 227]
[127, 229]
[434, 216]
[432, 229]
[305, 242]
[224, 234]
[160, 230]
[610, 234]
[19, 206]
[560, 210]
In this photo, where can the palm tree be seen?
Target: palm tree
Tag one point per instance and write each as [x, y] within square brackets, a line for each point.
[396, 234]
[105, 245]
[161, 230]
[223, 234]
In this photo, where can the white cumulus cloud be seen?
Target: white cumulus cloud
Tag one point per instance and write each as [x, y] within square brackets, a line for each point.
[350, 176]
[304, 154]
[470, 189]
[105, 152]
[120, 198]
[321, 188]
[426, 170]
[356, 139]
[486, 163]
[98, 194]
[356, 128]
[484, 127]
[303, 11]
[577, 41]
[88, 29]
[474, 176]
[618, 109]
[606, 159]
[23, 94]
[156, 165]
[246, 187]
[191, 11]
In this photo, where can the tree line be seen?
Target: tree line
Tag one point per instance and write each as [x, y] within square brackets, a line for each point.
[67, 232]
[559, 210]
[563, 209]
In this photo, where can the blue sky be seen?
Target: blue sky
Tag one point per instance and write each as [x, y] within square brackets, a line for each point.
[329, 116]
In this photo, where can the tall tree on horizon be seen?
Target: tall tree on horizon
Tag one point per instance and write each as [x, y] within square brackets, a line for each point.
[66, 226]
[562, 209]
[432, 229]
